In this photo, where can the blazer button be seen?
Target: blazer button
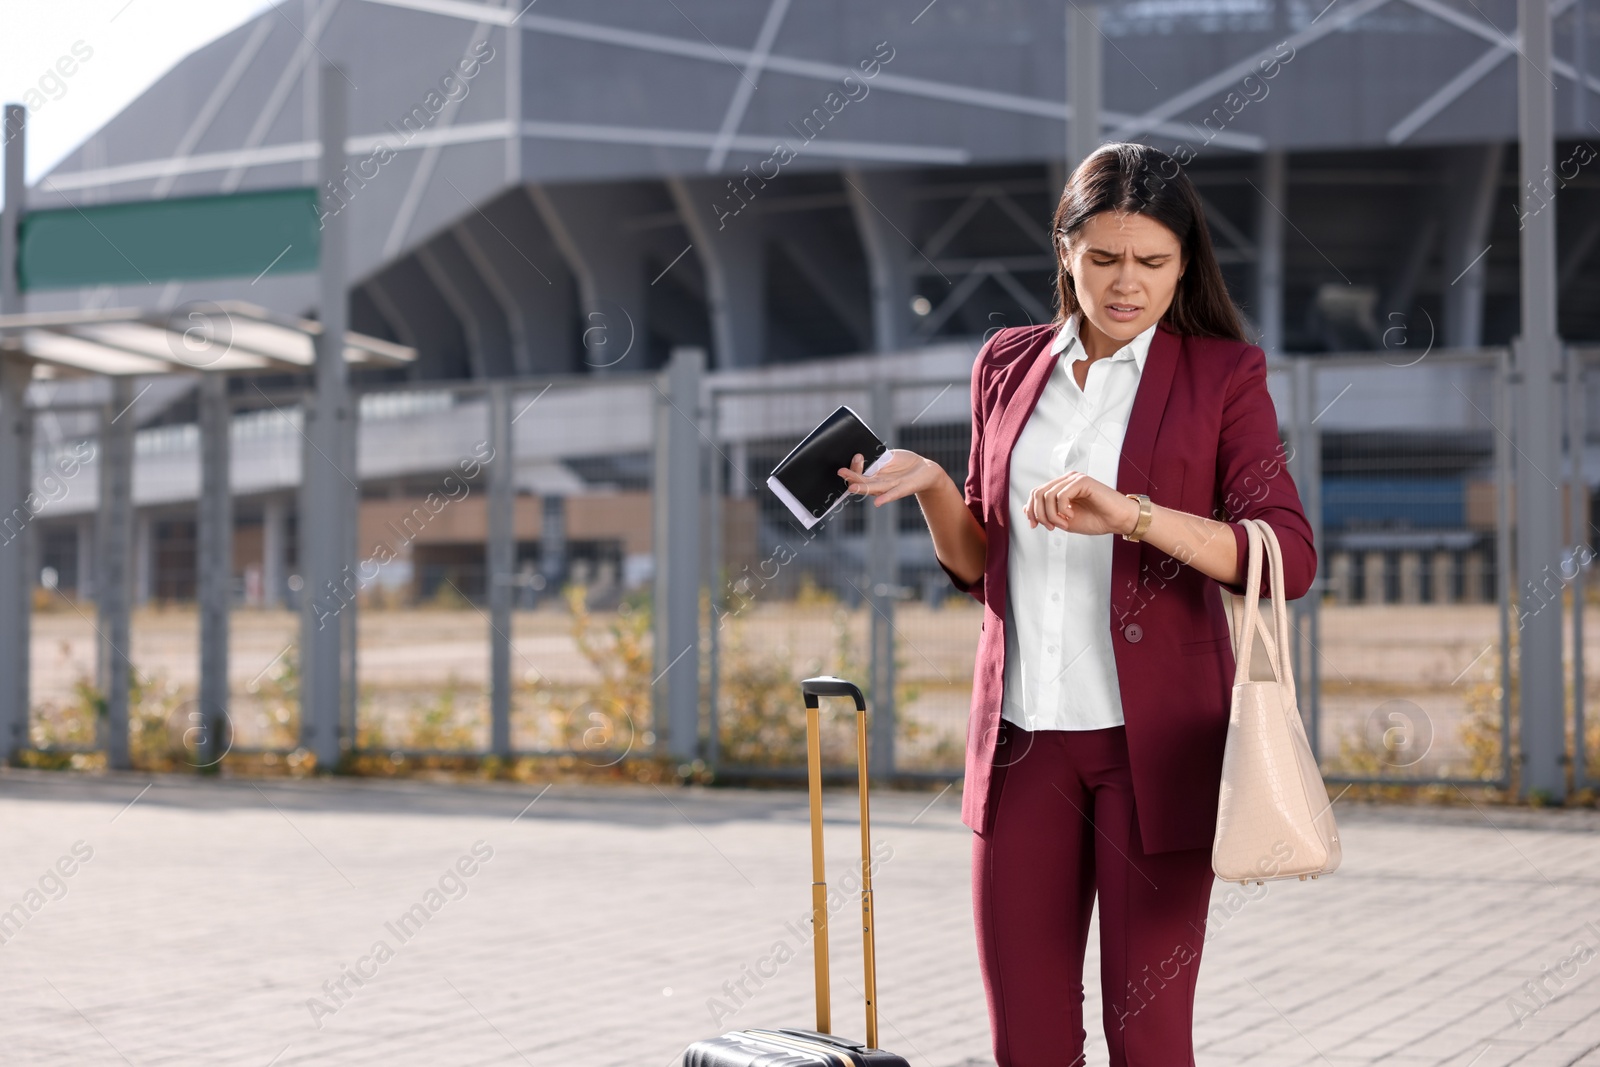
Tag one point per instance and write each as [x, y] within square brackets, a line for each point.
[1133, 632]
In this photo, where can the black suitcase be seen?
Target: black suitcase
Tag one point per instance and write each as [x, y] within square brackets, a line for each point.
[794, 1047]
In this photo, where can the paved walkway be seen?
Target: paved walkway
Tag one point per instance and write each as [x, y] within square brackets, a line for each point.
[408, 923]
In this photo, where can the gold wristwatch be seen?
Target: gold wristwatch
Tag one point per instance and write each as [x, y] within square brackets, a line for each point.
[1144, 517]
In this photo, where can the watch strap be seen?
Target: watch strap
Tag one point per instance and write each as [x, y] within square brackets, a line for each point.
[1145, 513]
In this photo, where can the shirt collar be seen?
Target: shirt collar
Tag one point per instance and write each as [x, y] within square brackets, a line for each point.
[1137, 349]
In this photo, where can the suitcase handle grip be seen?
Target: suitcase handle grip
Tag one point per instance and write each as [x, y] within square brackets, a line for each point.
[829, 686]
[812, 689]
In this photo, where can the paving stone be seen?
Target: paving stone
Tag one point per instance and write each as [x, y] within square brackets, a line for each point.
[230, 922]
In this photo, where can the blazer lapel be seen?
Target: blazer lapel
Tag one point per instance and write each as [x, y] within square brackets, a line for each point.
[1133, 470]
[1018, 407]
[1149, 403]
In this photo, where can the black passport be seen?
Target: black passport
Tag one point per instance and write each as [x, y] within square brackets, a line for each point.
[807, 479]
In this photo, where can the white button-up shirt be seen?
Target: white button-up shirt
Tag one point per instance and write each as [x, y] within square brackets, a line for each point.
[1060, 671]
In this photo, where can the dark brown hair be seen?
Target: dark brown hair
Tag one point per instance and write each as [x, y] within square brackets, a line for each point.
[1131, 177]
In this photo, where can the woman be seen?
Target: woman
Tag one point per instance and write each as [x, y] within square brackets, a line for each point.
[1112, 451]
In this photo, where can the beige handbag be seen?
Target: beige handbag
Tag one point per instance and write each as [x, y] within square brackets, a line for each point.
[1274, 819]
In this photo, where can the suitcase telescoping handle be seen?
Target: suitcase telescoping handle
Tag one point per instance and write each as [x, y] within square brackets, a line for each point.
[813, 689]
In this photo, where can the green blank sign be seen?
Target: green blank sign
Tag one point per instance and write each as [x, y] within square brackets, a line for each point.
[238, 235]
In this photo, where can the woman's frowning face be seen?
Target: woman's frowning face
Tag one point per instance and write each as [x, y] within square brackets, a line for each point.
[1125, 269]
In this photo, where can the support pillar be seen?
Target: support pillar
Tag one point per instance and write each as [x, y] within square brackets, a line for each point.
[832, 267]
[113, 585]
[607, 263]
[490, 343]
[675, 498]
[85, 551]
[1441, 576]
[553, 542]
[1537, 356]
[882, 213]
[739, 462]
[274, 550]
[732, 252]
[501, 557]
[214, 566]
[1084, 47]
[1473, 178]
[1580, 62]
[1269, 249]
[144, 556]
[1400, 290]
[507, 244]
[1375, 583]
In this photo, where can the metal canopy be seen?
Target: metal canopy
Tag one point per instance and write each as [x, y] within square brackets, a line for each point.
[225, 337]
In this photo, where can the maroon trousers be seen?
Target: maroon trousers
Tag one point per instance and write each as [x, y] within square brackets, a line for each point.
[1064, 832]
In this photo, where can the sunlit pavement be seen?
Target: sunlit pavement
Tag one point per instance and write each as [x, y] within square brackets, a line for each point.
[415, 923]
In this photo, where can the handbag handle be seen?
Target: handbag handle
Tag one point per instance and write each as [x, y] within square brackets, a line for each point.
[1280, 610]
[1247, 616]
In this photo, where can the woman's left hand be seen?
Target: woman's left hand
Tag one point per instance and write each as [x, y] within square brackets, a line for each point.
[1078, 503]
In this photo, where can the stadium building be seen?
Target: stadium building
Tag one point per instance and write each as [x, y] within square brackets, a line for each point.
[807, 190]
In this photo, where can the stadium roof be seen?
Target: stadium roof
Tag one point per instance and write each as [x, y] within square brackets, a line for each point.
[520, 171]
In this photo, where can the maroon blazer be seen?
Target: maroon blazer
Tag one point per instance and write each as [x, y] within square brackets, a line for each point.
[1203, 438]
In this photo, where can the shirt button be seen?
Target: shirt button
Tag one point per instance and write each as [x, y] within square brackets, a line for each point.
[1055, 596]
[1051, 650]
[1133, 632]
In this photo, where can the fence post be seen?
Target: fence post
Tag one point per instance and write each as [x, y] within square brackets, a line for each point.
[501, 559]
[883, 582]
[716, 578]
[675, 498]
[1578, 524]
[214, 565]
[1537, 353]
[16, 553]
[16, 465]
[1503, 589]
[327, 492]
[350, 531]
[1541, 679]
[1305, 466]
[113, 572]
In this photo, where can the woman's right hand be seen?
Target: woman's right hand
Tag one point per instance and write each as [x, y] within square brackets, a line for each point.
[904, 474]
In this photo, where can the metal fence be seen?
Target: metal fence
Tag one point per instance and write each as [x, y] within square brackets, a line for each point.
[1401, 645]
[542, 638]
[456, 632]
[1404, 649]
[535, 641]
[859, 594]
